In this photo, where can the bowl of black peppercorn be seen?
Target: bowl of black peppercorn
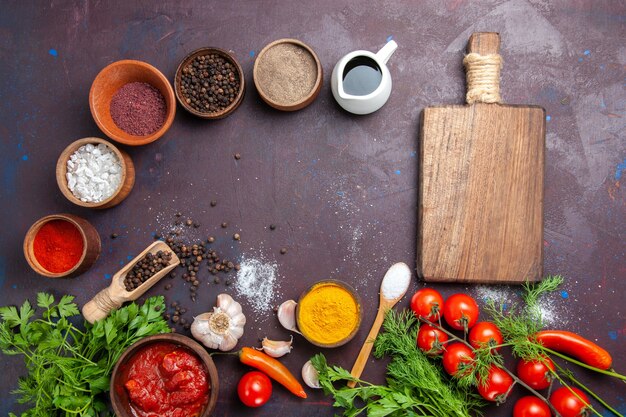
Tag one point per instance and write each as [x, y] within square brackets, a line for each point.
[209, 83]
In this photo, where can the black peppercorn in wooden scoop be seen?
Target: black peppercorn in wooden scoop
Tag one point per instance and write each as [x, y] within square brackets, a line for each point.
[116, 294]
[480, 210]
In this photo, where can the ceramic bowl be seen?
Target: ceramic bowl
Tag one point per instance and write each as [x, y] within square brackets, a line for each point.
[178, 87]
[354, 295]
[110, 80]
[91, 245]
[288, 74]
[126, 184]
[118, 394]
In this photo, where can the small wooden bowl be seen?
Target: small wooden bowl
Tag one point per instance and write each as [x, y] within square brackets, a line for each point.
[126, 184]
[286, 62]
[110, 80]
[91, 246]
[115, 294]
[118, 394]
[357, 300]
[178, 88]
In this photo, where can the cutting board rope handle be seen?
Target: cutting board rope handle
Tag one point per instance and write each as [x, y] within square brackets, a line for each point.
[482, 66]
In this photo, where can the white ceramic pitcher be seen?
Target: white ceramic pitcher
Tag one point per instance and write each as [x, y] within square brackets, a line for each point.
[369, 88]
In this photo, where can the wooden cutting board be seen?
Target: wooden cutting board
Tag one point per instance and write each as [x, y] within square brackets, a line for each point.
[480, 211]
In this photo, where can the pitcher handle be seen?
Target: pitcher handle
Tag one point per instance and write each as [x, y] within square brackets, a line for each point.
[386, 51]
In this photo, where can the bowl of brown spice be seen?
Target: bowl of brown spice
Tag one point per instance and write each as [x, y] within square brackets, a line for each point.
[132, 102]
[209, 83]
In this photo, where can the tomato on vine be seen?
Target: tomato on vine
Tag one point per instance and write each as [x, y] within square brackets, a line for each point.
[531, 406]
[431, 340]
[460, 311]
[568, 404]
[485, 333]
[537, 374]
[497, 386]
[457, 358]
[427, 303]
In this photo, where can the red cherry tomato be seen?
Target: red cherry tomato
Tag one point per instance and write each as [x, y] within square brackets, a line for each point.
[531, 406]
[485, 333]
[427, 303]
[430, 340]
[536, 373]
[254, 389]
[497, 385]
[457, 355]
[460, 311]
[568, 404]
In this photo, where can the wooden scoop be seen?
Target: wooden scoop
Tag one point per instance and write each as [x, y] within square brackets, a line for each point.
[383, 305]
[115, 295]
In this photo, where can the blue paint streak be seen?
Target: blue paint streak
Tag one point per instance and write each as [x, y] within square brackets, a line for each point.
[24, 157]
[564, 294]
[14, 286]
[251, 53]
[129, 257]
[340, 193]
[390, 37]
[587, 52]
[413, 154]
[620, 167]
[548, 118]
[107, 276]
[580, 59]
[398, 172]
[613, 334]
[53, 52]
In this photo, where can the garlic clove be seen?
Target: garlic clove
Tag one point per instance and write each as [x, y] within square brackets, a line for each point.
[224, 301]
[228, 342]
[276, 348]
[238, 320]
[310, 375]
[287, 315]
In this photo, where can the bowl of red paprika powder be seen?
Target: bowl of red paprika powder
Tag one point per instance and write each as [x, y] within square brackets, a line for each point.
[61, 245]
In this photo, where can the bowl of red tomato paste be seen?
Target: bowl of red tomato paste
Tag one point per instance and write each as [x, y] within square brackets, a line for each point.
[165, 375]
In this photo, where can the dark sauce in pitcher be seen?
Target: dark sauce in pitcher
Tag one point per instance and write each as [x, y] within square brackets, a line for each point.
[361, 76]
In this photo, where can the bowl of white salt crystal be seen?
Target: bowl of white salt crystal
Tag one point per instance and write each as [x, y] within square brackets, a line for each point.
[92, 172]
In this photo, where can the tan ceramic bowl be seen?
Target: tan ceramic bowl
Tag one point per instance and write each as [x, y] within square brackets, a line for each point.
[118, 394]
[357, 300]
[178, 88]
[110, 80]
[288, 63]
[91, 246]
[126, 184]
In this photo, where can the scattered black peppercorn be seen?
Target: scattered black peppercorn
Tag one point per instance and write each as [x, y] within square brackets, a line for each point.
[237, 156]
[236, 236]
[211, 239]
[113, 235]
[224, 225]
[272, 226]
[283, 251]
[213, 203]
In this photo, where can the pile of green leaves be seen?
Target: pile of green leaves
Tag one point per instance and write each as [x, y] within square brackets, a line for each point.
[69, 369]
[415, 386]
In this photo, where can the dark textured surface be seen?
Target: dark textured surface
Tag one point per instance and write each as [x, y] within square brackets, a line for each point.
[341, 188]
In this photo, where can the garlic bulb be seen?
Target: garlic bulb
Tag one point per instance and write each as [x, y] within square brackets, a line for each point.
[310, 375]
[221, 328]
[276, 348]
[287, 315]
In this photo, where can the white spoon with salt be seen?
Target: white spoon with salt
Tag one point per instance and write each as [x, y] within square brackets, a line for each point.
[392, 289]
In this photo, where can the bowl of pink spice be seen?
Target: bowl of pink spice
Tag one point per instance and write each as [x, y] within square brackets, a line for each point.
[132, 102]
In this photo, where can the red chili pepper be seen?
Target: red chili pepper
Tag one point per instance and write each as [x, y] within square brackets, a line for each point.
[274, 369]
[575, 346]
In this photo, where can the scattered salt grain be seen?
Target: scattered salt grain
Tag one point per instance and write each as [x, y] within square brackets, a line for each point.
[256, 280]
[396, 281]
[94, 173]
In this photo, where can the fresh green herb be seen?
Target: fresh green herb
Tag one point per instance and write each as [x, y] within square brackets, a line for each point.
[415, 386]
[70, 369]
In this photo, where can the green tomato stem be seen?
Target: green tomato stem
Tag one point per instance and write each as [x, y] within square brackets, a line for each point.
[582, 364]
[566, 385]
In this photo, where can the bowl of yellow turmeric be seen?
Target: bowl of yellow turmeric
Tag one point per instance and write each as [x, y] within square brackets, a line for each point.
[329, 313]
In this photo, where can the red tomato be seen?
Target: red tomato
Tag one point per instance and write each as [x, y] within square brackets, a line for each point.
[485, 333]
[457, 355]
[536, 373]
[531, 406]
[430, 340]
[460, 311]
[254, 389]
[567, 404]
[427, 303]
[497, 385]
